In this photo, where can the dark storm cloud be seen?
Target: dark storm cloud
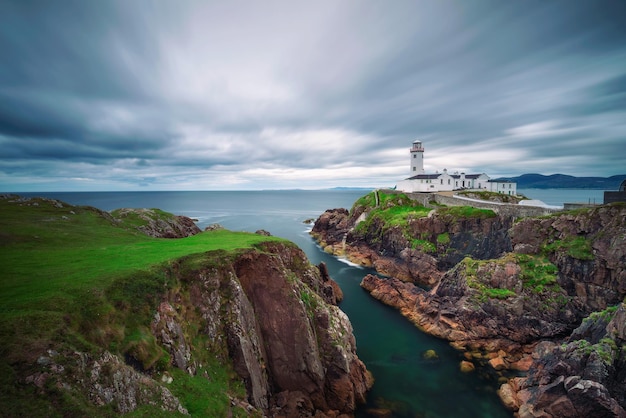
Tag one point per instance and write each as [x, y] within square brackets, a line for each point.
[192, 91]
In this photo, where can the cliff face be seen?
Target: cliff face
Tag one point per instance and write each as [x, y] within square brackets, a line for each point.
[419, 251]
[504, 291]
[266, 311]
[588, 247]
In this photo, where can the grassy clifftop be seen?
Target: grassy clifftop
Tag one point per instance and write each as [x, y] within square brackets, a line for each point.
[51, 249]
[76, 279]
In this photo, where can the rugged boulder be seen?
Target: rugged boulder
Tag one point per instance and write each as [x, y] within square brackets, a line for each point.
[583, 377]
[156, 223]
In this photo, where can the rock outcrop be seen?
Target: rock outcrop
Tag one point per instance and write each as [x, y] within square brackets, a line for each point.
[156, 223]
[583, 377]
[419, 251]
[510, 292]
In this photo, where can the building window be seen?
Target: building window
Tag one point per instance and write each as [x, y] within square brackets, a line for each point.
[413, 168]
[441, 181]
[414, 155]
[448, 181]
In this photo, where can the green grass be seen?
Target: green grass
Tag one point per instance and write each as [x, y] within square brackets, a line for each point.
[443, 239]
[537, 274]
[576, 247]
[43, 256]
[203, 394]
[424, 246]
[474, 278]
[393, 210]
[466, 212]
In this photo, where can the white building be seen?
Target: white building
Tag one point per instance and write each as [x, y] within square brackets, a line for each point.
[422, 182]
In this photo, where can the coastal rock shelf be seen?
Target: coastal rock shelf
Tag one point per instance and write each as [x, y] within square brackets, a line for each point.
[510, 292]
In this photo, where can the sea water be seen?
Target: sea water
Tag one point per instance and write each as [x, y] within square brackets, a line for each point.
[390, 346]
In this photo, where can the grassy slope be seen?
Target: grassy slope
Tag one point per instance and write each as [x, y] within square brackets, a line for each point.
[45, 256]
[58, 262]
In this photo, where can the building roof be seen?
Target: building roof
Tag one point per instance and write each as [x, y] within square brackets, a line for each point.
[425, 177]
[437, 175]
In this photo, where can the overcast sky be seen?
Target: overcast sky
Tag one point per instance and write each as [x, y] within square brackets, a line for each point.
[208, 95]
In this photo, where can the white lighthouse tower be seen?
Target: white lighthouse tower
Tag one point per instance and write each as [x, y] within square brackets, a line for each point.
[417, 158]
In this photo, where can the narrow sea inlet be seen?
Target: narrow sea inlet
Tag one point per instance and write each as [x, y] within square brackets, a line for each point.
[407, 382]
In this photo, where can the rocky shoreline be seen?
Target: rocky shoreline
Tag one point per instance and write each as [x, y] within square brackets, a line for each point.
[513, 292]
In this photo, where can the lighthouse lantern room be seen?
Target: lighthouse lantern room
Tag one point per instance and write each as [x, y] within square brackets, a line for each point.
[417, 158]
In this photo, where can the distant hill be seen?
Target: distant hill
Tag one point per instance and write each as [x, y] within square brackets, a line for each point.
[563, 181]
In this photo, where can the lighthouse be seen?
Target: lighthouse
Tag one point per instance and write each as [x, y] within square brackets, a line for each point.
[417, 158]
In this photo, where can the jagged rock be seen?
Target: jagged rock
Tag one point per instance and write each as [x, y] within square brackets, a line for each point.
[518, 319]
[595, 274]
[583, 378]
[391, 253]
[109, 381]
[159, 224]
[292, 346]
[214, 227]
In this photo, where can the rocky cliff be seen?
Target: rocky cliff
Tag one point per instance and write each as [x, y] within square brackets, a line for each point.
[243, 332]
[405, 240]
[266, 311]
[584, 376]
[499, 288]
[276, 317]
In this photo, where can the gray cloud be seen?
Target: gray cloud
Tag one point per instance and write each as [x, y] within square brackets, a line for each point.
[199, 95]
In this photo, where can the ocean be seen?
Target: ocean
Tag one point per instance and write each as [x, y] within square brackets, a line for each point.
[390, 346]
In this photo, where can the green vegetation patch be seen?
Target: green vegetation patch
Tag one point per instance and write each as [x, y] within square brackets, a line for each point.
[393, 210]
[50, 252]
[207, 393]
[473, 276]
[576, 247]
[537, 274]
[606, 349]
[424, 246]
[443, 239]
[606, 315]
[466, 212]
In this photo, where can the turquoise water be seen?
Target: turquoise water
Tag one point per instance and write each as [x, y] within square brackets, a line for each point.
[390, 346]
